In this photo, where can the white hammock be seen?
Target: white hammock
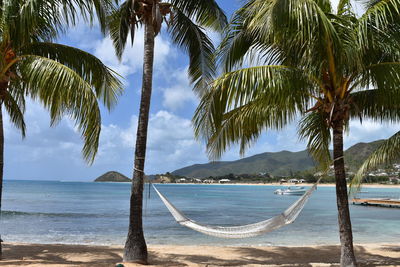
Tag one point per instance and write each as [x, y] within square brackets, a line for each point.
[249, 230]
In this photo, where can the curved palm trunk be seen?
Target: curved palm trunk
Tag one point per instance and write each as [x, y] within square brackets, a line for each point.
[347, 257]
[1, 167]
[135, 246]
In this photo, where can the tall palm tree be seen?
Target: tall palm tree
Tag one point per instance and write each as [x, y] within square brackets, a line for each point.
[66, 80]
[185, 20]
[286, 59]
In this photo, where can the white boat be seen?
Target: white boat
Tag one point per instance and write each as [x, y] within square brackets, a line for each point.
[291, 190]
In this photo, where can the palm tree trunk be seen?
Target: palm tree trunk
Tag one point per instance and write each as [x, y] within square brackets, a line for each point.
[135, 246]
[1, 167]
[347, 257]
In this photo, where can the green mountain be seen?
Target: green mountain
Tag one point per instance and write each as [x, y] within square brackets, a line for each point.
[357, 154]
[276, 163]
[112, 177]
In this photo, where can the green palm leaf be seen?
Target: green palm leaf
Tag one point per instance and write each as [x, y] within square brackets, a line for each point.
[206, 13]
[387, 152]
[242, 103]
[64, 92]
[15, 108]
[104, 81]
[199, 47]
[312, 128]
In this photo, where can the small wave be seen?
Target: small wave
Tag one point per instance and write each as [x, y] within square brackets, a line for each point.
[11, 213]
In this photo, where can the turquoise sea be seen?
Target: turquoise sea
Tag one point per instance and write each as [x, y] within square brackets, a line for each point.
[97, 213]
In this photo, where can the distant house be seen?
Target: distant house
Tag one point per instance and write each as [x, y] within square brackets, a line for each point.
[182, 180]
[293, 181]
[208, 181]
[282, 181]
[302, 181]
[224, 181]
[196, 180]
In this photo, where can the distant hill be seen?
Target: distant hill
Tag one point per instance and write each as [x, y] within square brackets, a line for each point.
[112, 177]
[275, 163]
[358, 153]
[278, 163]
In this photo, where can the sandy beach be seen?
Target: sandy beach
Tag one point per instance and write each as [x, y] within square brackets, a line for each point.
[17, 254]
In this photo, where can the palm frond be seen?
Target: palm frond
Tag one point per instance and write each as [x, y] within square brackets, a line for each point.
[102, 79]
[379, 20]
[345, 8]
[313, 128]
[63, 92]
[102, 8]
[198, 46]
[15, 107]
[378, 105]
[237, 43]
[383, 76]
[120, 25]
[241, 104]
[386, 153]
[279, 20]
[206, 13]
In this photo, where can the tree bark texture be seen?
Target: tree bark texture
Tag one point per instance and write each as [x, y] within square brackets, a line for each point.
[135, 246]
[347, 257]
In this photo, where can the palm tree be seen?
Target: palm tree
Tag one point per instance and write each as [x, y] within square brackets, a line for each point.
[185, 20]
[286, 59]
[66, 80]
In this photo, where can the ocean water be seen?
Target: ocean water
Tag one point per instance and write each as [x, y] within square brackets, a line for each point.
[97, 213]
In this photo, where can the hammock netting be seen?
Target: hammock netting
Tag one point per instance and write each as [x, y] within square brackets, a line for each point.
[242, 231]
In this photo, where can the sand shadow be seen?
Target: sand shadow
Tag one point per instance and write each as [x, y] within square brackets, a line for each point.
[59, 255]
[276, 256]
[99, 256]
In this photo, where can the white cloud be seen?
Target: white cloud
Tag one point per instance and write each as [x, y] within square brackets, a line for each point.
[180, 93]
[55, 153]
[132, 59]
[170, 143]
[368, 131]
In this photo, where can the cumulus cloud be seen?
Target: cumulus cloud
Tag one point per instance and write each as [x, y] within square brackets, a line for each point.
[55, 153]
[180, 92]
[368, 131]
[132, 59]
[170, 143]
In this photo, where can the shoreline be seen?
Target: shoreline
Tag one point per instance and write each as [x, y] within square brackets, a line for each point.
[286, 184]
[25, 254]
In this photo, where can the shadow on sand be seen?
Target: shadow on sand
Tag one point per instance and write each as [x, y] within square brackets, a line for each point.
[79, 255]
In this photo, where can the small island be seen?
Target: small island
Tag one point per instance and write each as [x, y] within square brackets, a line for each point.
[112, 176]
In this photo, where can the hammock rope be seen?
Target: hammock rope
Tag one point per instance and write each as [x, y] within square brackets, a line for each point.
[242, 231]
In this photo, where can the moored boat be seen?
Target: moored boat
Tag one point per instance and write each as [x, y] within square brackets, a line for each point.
[291, 190]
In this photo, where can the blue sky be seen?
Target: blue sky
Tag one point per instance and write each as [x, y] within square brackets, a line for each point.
[55, 153]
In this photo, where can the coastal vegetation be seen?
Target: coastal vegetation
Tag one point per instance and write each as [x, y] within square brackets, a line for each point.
[186, 21]
[387, 176]
[284, 59]
[283, 163]
[65, 80]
